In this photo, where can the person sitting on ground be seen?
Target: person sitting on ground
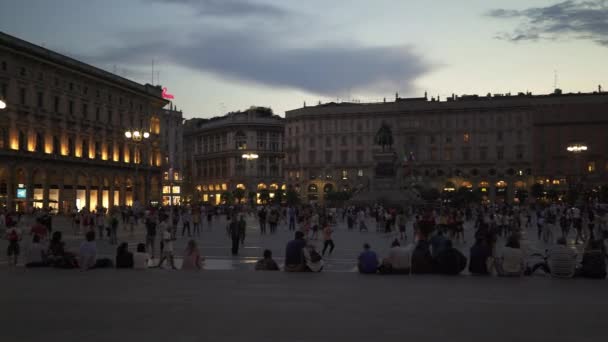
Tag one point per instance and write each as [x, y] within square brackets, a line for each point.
[367, 261]
[481, 257]
[398, 260]
[312, 259]
[450, 261]
[141, 258]
[594, 262]
[36, 256]
[438, 243]
[192, 257]
[561, 261]
[422, 260]
[266, 264]
[88, 252]
[511, 261]
[294, 259]
[57, 256]
[124, 258]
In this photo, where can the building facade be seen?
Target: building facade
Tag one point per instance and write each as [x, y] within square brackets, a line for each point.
[62, 133]
[571, 120]
[242, 150]
[498, 144]
[172, 148]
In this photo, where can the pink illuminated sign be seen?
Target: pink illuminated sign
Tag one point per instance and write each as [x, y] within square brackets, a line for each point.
[167, 95]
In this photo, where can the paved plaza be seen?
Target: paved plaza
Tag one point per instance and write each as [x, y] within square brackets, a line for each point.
[229, 302]
[162, 305]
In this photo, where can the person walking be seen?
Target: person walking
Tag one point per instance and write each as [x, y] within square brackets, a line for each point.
[242, 228]
[196, 221]
[150, 235]
[235, 234]
[167, 253]
[186, 218]
[113, 229]
[328, 241]
[262, 219]
[291, 213]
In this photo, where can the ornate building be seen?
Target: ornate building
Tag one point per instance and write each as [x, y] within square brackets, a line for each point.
[499, 144]
[172, 147]
[62, 133]
[242, 150]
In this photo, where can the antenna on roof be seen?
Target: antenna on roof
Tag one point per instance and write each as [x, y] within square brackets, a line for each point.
[152, 71]
[554, 79]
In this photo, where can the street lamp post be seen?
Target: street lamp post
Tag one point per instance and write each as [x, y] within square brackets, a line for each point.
[577, 149]
[137, 136]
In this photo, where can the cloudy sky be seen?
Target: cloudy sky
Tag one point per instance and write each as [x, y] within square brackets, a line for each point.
[223, 55]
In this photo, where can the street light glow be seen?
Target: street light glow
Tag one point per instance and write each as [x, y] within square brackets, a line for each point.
[128, 134]
[576, 148]
[2, 104]
[136, 134]
[146, 135]
[250, 156]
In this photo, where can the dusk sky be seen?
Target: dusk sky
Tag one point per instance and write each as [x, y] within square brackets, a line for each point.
[217, 56]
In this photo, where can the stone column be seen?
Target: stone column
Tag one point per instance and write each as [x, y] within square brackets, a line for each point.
[45, 192]
[10, 184]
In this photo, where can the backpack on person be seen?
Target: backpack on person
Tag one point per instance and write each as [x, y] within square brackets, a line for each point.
[315, 256]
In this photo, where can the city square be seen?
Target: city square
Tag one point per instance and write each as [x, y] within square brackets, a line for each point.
[261, 170]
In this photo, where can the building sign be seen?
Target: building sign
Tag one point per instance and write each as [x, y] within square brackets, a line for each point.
[21, 193]
[166, 95]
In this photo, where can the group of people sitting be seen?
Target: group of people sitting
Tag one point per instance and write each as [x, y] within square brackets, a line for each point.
[437, 255]
[57, 256]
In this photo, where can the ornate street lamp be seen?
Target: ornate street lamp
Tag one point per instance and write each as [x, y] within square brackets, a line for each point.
[137, 136]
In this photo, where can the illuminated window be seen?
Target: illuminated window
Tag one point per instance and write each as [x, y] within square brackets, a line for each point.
[466, 138]
[360, 173]
[555, 182]
[274, 186]
[175, 175]
[501, 184]
[262, 186]
[467, 184]
[166, 189]
[205, 188]
[224, 186]
[591, 167]
[240, 186]
[176, 189]
[166, 175]
[344, 174]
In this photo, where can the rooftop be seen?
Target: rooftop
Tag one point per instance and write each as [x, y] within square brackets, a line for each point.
[57, 58]
[454, 102]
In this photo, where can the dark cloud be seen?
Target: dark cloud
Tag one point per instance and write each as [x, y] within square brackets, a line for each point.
[228, 8]
[260, 59]
[567, 19]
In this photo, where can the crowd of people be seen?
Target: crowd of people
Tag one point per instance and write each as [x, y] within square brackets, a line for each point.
[428, 248]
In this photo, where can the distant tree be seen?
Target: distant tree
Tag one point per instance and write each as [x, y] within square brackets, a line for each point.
[279, 195]
[239, 194]
[430, 194]
[537, 190]
[228, 197]
[292, 197]
[252, 196]
[264, 196]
